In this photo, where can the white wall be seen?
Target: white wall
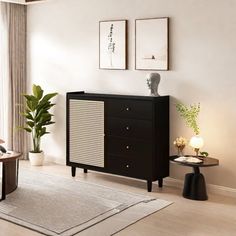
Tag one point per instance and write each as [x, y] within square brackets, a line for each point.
[63, 57]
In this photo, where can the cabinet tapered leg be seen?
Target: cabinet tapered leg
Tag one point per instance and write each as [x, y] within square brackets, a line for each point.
[85, 170]
[160, 182]
[73, 171]
[149, 185]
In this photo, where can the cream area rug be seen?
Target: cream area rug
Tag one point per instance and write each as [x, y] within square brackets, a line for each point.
[54, 205]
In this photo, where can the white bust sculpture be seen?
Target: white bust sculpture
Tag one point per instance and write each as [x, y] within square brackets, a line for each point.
[153, 80]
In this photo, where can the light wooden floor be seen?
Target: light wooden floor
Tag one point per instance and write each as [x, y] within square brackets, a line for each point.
[184, 217]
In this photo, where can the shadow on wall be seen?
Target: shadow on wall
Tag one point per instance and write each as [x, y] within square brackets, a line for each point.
[53, 147]
[60, 116]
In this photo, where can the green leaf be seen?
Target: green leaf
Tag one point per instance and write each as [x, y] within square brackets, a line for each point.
[29, 116]
[190, 115]
[50, 123]
[28, 97]
[37, 91]
[31, 98]
[49, 105]
[27, 129]
[45, 117]
[205, 154]
[32, 104]
[23, 114]
[30, 124]
[39, 115]
[48, 97]
[42, 131]
[29, 105]
[43, 108]
[45, 133]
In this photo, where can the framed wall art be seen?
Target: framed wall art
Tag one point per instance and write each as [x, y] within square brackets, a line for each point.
[113, 45]
[151, 44]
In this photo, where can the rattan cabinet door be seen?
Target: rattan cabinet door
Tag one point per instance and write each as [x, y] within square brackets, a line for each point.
[86, 132]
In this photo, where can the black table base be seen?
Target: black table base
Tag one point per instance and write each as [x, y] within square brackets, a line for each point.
[195, 186]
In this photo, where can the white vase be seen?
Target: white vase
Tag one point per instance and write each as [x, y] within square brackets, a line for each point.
[36, 159]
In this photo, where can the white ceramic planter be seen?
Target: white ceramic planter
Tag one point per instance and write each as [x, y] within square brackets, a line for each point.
[36, 159]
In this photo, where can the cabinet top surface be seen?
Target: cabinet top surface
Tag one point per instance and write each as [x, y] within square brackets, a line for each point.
[100, 95]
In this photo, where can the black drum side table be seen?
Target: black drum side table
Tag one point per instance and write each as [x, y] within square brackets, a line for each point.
[194, 184]
[10, 167]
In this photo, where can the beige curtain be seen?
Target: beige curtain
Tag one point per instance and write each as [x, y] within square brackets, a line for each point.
[13, 74]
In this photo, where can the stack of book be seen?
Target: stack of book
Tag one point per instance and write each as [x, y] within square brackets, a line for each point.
[189, 159]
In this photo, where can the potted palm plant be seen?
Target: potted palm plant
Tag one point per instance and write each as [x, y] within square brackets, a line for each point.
[38, 118]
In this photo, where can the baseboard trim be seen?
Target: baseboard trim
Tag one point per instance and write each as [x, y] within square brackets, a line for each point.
[176, 183]
[211, 188]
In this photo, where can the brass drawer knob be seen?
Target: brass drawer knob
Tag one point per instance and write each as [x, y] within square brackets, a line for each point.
[127, 128]
[127, 109]
[127, 147]
[127, 166]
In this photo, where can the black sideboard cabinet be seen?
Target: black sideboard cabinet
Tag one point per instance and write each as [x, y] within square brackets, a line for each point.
[118, 134]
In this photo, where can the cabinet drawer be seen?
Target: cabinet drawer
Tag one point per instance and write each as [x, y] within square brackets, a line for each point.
[128, 167]
[129, 109]
[140, 129]
[126, 147]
